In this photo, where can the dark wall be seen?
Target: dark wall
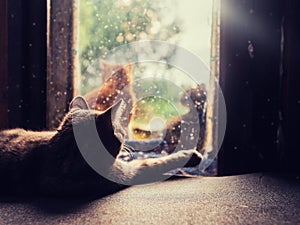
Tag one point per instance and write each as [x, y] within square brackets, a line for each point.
[258, 76]
[27, 57]
[291, 87]
[3, 65]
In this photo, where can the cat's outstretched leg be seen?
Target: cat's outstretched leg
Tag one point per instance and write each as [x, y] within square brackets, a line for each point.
[153, 170]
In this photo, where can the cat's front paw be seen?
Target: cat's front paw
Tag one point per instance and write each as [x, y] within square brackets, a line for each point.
[195, 158]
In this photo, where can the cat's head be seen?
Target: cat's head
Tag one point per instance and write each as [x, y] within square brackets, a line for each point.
[198, 95]
[109, 69]
[66, 170]
[81, 116]
[116, 79]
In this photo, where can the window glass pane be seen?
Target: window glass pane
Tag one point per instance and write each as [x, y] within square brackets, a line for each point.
[160, 94]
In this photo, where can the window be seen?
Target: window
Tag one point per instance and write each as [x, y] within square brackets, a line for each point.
[106, 25]
[28, 94]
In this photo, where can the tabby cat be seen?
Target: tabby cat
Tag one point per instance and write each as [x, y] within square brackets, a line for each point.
[116, 85]
[49, 162]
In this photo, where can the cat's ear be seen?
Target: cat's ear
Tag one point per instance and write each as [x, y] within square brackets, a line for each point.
[107, 69]
[129, 69]
[78, 103]
[184, 98]
[103, 64]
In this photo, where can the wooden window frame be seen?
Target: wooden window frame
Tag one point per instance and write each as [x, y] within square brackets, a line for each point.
[62, 58]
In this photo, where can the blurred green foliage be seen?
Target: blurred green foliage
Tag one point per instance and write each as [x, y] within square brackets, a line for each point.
[106, 24]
